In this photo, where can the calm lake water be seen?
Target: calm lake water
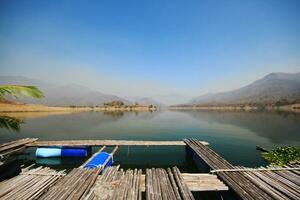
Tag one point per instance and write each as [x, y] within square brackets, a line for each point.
[234, 135]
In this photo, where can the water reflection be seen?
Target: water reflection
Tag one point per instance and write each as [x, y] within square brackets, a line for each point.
[11, 123]
[277, 127]
[116, 114]
[232, 134]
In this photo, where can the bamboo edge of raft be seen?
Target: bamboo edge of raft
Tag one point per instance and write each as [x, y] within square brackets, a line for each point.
[248, 183]
[73, 143]
[15, 146]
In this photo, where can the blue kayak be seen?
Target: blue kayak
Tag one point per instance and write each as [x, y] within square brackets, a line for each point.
[99, 160]
[47, 152]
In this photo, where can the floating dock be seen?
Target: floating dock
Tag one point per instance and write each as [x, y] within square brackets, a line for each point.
[262, 183]
[152, 184]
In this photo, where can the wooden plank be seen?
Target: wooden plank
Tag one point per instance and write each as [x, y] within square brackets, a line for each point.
[108, 143]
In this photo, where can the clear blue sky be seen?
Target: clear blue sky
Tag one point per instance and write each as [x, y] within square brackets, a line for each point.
[150, 47]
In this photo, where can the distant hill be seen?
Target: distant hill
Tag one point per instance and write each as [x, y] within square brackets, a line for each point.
[272, 88]
[65, 95]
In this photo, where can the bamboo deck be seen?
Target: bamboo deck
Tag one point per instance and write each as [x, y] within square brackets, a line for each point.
[157, 184]
[68, 143]
[250, 184]
[30, 184]
[114, 183]
[197, 182]
[74, 185]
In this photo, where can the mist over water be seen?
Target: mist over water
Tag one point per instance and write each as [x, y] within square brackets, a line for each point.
[234, 135]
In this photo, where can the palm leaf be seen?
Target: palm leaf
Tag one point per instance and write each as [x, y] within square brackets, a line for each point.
[10, 123]
[20, 90]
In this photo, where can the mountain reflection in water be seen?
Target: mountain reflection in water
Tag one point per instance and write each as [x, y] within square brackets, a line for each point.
[234, 135]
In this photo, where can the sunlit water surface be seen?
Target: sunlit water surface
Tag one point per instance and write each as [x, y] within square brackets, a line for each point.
[234, 135]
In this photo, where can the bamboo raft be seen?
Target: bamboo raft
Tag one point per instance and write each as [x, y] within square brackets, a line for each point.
[250, 184]
[114, 183]
[120, 184]
[15, 146]
[30, 184]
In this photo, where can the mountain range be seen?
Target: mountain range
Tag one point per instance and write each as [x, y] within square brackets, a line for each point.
[270, 89]
[70, 94]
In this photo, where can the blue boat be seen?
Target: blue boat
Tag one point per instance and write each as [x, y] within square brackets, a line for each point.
[98, 160]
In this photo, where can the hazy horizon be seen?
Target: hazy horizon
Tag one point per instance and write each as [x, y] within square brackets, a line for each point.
[138, 48]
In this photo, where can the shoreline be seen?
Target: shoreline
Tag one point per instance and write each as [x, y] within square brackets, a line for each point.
[26, 108]
[295, 108]
[18, 107]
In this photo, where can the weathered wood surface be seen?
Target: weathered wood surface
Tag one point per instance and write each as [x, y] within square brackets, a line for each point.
[15, 146]
[117, 184]
[203, 182]
[198, 182]
[30, 184]
[166, 184]
[108, 143]
[279, 184]
[251, 184]
[72, 186]
[44, 183]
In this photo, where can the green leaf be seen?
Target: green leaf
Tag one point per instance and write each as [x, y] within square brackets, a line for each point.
[20, 90]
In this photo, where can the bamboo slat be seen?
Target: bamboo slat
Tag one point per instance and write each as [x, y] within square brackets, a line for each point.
[167, 185]
[29, 185]
[114, 184]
